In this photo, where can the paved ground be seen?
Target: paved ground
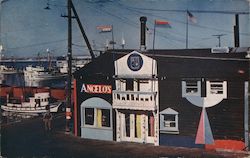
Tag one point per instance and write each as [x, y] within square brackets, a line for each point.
[27, 139]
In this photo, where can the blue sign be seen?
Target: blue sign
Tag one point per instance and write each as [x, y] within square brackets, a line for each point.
[135, 62]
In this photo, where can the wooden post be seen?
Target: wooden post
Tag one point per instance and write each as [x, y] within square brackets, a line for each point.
[69, 55]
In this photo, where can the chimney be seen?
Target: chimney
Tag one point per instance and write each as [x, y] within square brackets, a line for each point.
[143, 20]
[236, 32]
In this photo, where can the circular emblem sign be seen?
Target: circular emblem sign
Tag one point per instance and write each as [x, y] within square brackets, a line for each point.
[135, 62]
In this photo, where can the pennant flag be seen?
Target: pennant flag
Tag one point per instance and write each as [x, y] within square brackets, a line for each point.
[191, 17]
[162, 23]
[104, 28]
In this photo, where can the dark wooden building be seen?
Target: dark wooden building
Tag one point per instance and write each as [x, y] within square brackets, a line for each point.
[189, 98]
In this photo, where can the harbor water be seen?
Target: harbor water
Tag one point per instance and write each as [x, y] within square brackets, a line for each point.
[17, 80]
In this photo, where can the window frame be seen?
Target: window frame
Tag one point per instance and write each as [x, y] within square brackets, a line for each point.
[85, 117]
[169, 130]
[216, 86]
[185, 87]
[213, 87]
[95, 124]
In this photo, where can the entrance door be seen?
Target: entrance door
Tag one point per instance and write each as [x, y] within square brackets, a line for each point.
[132, 127]
[137, 128]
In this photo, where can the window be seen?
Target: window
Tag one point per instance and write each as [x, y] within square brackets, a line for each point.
[203, 88]
[129, 84]
[169, 121]
[191, 86]
[105, 118]
[97, 117]
[216, 87]
[89, 116]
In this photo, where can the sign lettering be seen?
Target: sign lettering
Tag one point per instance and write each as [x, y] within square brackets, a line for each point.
[96, 89]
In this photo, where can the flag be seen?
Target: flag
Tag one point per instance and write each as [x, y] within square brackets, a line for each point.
[104, 28]
[162, 23]
[191, 17]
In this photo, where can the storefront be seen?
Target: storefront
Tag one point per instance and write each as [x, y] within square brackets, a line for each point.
[135, 99]
[96, 117]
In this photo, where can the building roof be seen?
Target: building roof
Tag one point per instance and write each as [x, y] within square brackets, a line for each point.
[177, 63]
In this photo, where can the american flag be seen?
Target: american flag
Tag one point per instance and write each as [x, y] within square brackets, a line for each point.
[191, 17]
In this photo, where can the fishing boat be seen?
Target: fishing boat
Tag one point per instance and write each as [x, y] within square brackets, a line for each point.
[77, 62]
[7, 70]
[39, 73]
[34, 104]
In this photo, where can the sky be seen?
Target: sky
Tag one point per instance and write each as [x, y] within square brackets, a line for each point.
[27, 29]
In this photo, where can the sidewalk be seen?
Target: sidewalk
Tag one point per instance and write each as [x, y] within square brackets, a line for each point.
[28, 139]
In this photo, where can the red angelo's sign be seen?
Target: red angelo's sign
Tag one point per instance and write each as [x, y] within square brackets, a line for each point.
[97, 89]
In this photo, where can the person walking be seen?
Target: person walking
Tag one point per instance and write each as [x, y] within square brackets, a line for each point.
[47, 118]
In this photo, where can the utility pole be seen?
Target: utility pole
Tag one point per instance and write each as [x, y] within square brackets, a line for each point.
[219, 38]
[69, 56]
[70, 8]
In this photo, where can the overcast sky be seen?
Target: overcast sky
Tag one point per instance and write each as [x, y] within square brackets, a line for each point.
[28, 29]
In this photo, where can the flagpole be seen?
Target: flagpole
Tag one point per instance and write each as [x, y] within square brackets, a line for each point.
[187, 29]
[113, 42]
[154, 38]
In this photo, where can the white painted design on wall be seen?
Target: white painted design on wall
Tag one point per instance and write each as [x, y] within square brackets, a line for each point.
[215, 92]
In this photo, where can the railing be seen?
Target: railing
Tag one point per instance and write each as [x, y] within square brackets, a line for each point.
[134, 100]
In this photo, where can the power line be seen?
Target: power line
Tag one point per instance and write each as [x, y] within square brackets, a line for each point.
[182, 11]
[195, 11]
[134, 24]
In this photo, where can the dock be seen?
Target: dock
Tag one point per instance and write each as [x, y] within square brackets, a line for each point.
[27, 138]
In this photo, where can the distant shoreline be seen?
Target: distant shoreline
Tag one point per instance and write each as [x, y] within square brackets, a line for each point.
[25, 60]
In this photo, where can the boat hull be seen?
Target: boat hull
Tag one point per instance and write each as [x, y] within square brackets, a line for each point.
[53, 108]
[8, 72]
[45, 77]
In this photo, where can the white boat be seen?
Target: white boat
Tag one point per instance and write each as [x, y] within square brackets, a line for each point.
[77, 62]
[36, 104]
[7, 70]
[39, 73]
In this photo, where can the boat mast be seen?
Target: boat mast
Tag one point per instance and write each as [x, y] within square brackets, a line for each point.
[49, 59]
